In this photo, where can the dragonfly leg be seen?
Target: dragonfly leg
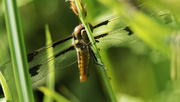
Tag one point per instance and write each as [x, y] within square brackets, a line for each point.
[97, 41]
[94, 59]
[89, 43]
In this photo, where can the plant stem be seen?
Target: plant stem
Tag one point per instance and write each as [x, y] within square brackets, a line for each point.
[50, 82]
[94, 47]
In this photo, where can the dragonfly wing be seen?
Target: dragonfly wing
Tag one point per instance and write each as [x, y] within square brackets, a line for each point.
[109, 24]
[113, 32]
[40, 55]
[114, 38]
[61, 60]
[39, 64]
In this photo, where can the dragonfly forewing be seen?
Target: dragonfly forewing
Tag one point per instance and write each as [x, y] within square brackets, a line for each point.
[113, 31]
[114, 38]
[63, 56]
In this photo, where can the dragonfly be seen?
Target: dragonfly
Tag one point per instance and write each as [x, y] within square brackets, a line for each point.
[109, 32]
[66, 51]
[79, 48]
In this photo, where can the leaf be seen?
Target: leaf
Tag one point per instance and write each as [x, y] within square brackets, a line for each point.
[5, 87]
[53, 94]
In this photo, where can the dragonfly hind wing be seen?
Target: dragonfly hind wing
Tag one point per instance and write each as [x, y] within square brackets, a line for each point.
[59, 61]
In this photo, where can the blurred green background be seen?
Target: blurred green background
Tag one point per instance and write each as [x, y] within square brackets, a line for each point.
[138, 72]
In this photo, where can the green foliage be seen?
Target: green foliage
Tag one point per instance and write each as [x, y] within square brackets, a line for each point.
[57, 97]
[5, 88]
[51, 77]
[146, 69]
[17, 49]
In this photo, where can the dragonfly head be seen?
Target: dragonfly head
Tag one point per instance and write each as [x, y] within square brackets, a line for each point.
[80, 32]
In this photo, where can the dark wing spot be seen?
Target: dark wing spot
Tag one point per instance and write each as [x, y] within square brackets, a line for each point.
[97, 41]
[101, 36]
[30, 56]
[128, 30]
[33, 70]
[100, 24]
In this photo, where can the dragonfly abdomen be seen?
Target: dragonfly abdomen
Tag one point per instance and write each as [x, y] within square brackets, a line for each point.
[83, 63]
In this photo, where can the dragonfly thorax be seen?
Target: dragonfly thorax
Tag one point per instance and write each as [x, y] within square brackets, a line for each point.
[80, 37]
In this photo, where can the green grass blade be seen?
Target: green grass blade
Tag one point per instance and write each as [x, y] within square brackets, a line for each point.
[68, 93]
[94, 47]
[6, 90]
[53, 94]
[18, 53]
[50, 83]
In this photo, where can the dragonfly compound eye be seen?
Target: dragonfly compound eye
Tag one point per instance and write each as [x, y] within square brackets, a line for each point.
[77, 31]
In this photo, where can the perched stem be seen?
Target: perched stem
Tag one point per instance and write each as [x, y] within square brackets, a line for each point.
[94, 47]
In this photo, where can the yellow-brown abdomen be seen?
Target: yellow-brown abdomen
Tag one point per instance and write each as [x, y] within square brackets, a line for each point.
[83, 63]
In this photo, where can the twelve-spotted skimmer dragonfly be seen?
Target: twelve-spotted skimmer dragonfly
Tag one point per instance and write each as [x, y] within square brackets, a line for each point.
[110, 32]
[64, 53]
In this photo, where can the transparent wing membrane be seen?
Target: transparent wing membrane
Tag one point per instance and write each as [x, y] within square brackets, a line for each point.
[113, 32]
[109, 24]
[115, 38]
[110, 32]
[60, 62]
[39, 55]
